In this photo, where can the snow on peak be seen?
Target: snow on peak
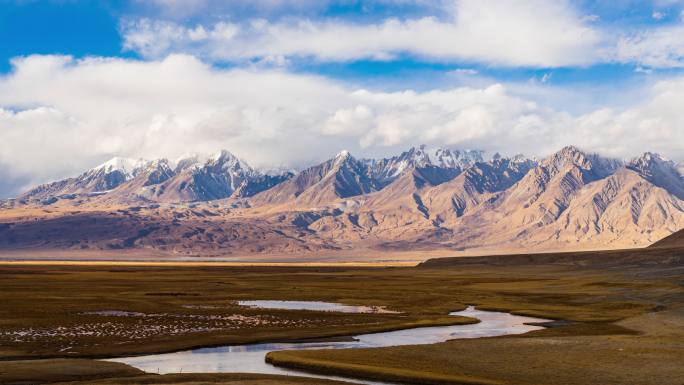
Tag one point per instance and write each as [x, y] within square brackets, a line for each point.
[342, 154]
[230, 163]
[649, 162]
[417, 156]
[188, 160]
[342, 157]
[127, 166]
[651, 157]
[222, 156]
[521, 158]
[223, 159]
[447, 158]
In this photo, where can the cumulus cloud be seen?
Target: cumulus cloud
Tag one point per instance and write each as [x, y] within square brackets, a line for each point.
[661, 47]
[533, 33]
[156, 38]
[536, 33]
[60, 116]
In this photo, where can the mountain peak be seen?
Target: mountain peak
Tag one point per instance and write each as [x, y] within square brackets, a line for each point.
[660, 171]
[416, 156]
[228, 162]
[126, 165]
[521, 158]
[222, 156]
[341, 158]
[342, 154]
[572, 155]
[461, 159]
[649, 159]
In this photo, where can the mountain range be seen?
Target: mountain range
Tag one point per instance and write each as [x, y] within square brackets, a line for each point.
[447, 200]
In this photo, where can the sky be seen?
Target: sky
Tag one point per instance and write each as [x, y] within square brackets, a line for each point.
[287, 83]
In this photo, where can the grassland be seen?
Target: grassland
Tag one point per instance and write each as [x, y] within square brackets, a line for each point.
[207, 379]
[553, 357]
[637, 338]
[62, 370]
[83, 372]
[607, 304]
[56, 311]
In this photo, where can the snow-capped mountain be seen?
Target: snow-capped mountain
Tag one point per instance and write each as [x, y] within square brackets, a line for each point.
[458, 159]
[104, 177]
[447, 163]
[476, 185]
[386, 170]
[203, 177]
[190, 178]
[189, 160]
[218, 177]
[659, 171]
[127, 167]
[420, 198]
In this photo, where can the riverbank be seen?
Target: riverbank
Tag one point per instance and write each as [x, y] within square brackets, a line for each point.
[636, 355]
[86, 372]
[172, 301]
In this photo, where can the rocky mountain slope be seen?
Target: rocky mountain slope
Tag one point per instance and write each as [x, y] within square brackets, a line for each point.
[104, 177]
[419, 199]
[675, 240]
[190, 179]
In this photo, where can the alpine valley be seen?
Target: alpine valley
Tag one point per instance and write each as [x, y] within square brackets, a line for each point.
[420, 201]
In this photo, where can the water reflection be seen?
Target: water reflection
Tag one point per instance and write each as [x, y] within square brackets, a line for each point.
[314, 305]
[251, 358]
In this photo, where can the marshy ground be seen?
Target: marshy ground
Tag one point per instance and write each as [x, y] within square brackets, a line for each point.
[622, 321]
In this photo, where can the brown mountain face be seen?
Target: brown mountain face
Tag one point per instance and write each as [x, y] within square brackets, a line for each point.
[661, 172]
[474, 187]
[219, 177]
[341, 177]
[455, 201]
[572, 200]
[675, 240]
[144, 186]
[104, 177]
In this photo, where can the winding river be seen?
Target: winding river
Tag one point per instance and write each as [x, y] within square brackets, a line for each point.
[251, 358]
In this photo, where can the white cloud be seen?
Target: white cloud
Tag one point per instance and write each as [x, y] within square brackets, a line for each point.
[659, 47]
[349, 121]
[657, 15]
[532, 33]
[464, 72]
[153, 38]
[61, 116]
[535, 33]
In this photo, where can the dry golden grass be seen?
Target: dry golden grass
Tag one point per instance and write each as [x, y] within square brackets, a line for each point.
[83, 371]
[548, 357]
[206, 379]
[45, 371]
[610, 305]
[637, 338]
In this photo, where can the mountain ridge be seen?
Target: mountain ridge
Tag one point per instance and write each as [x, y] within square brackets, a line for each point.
[417, 200]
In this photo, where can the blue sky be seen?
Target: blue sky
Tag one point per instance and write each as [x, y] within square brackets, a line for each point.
[94, 28]
[160, 78]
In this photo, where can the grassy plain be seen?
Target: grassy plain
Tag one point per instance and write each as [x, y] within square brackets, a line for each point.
[553, 357]
[629, 301]
[85, 372]
[636, 338]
